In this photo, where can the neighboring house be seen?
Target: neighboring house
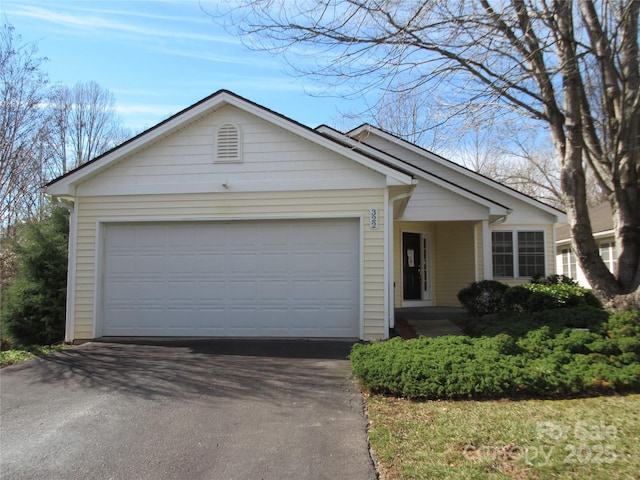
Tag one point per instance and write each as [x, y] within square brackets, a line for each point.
[229, 219]
[602, 225]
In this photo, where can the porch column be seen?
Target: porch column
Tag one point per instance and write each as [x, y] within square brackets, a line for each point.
[487, 257]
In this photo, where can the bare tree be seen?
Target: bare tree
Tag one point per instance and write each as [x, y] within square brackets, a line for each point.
[571, 66]
[82, 125]
[23, 85]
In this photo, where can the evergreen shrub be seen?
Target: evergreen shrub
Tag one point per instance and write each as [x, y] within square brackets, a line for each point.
[33, 310]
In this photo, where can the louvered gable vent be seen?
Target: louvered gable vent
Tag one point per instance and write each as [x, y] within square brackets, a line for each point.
[228, 145]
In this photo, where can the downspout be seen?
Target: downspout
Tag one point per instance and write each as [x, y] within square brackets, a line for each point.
[389, 299]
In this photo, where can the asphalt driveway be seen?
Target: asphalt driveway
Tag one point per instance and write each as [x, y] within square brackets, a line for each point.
[224, 409]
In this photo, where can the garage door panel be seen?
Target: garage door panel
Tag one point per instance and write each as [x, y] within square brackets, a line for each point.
[271, 278]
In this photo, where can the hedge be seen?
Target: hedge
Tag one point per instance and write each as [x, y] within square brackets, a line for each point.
[545, 362]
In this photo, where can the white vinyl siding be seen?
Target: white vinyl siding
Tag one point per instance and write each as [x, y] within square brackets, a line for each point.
[272, 160]
[233, 206]
[430, 202]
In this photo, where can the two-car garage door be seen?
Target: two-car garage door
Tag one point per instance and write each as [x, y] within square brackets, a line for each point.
[240, 278]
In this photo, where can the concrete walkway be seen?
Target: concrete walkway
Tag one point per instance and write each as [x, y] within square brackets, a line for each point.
[433, 321]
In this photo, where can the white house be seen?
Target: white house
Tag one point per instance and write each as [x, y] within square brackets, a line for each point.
[602, 225]
[229, 219]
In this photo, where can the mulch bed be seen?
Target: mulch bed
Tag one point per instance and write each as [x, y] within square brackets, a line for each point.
[404, 330]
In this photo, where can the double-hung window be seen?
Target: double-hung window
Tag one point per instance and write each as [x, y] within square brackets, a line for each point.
[518, 254]
[569, 267]
[609, 254]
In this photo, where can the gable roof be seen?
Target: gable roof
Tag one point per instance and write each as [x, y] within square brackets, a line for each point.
[367, 129]
[601, 218]
[65, 184]
[495, 208]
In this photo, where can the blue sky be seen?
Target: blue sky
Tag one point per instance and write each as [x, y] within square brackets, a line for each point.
[158, 57]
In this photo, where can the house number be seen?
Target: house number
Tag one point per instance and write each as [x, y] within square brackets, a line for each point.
[373, 218]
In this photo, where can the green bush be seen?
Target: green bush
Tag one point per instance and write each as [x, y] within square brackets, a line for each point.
[34, 308]
[519, 324]
[554, 279]
[581, 354]
[483, 298]
[535, 297]
[556, 291]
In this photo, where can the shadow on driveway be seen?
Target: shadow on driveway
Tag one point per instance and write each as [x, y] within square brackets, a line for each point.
[187, 369]
[240, 408]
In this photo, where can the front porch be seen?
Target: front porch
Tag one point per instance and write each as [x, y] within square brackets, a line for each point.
[434, 260]
[432, 321]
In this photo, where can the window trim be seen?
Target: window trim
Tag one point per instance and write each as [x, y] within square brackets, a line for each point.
[515, 250]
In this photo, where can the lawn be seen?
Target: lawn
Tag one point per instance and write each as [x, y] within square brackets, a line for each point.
[590, 438]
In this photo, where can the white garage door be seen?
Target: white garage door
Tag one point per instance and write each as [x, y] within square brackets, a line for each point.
[264, 279]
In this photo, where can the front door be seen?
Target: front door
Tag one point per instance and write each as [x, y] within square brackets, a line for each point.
[411, 266]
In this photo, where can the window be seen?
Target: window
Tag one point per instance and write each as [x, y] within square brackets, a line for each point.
[609, 255]
[569, 268]
[519, 255]
[228, 144]
[502, 249]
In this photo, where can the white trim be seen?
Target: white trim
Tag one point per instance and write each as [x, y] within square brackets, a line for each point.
[369, 129]
[98, 303]
[70, 322]
[389, 260]
[218, 218]
[65, 185]
[387, 275]
[514, 240]
[361, 274]
[495, 208]
[423, 302]
[487, 254]
[98, 284]
[238, 147]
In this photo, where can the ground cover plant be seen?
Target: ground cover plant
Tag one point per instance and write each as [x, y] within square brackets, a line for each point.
[580, 439]
[14, 354]
[550, 338]
[537, 355]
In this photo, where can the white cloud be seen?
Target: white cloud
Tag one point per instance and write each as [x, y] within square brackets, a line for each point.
[94, 19]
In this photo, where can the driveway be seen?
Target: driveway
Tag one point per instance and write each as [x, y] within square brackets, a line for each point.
[223, 409]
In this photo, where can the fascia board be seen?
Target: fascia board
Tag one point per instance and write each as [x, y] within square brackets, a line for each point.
[495, 208]
[366, 128]
[66, 185]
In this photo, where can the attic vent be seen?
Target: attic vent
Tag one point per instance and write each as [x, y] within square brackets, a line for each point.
[228, 145]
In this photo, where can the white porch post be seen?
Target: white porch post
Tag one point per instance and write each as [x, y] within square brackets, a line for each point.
[487, 258]
[69, 334]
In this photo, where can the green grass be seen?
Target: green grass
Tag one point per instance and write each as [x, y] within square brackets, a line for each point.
[18, 354]
[581, 439]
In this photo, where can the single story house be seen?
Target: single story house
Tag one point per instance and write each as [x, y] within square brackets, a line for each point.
[229, 219]
[601, 218]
